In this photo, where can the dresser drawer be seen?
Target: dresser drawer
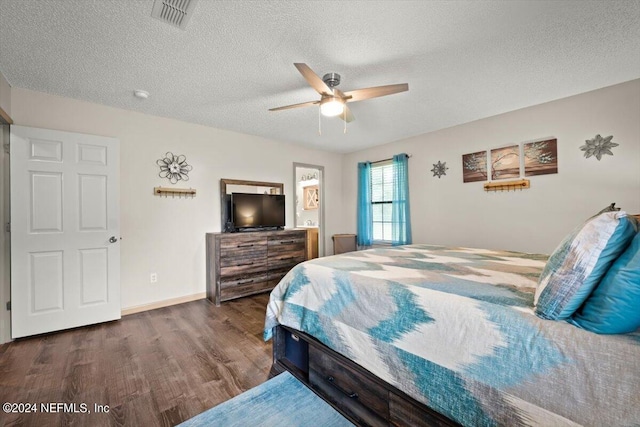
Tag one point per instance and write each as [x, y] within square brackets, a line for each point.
[362, 398]
[233, 241]
[287, 244]
[286, 261]
[247, 286]
[243, 267]
[239, 253]
[284, 236]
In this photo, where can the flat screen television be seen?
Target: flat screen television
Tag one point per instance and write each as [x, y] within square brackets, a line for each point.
[256, 211]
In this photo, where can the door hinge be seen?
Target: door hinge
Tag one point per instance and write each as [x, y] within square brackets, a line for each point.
[8, 305]
[7, 227]
[6, 148]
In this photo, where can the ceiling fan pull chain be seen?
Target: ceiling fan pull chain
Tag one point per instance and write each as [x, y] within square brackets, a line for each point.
[319, 123]
[344, 113]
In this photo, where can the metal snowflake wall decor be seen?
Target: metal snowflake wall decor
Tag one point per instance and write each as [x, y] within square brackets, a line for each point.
[598, 146]
[174, 168]
[439, 169]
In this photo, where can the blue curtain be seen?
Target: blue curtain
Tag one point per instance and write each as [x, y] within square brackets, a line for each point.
[400, 216]
[365, 211]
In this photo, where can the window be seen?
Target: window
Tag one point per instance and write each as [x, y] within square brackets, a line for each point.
[381, 197]
[383, 202]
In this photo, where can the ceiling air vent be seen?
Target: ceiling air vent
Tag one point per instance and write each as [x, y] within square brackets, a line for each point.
[174, 12]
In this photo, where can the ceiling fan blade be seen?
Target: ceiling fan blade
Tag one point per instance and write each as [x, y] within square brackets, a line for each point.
[347, 116]
[374, 92]
[313, 79]
[337, 92]
[302, 104]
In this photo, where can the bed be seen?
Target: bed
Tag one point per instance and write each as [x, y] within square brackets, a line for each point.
[449, 334]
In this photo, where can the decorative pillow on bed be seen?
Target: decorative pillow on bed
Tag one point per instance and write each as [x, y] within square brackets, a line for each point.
[614, 306]
[579, 263]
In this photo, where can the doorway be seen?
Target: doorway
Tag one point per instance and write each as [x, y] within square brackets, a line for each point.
[309, 205]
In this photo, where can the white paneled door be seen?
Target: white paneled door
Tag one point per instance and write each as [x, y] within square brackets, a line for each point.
[65, 230]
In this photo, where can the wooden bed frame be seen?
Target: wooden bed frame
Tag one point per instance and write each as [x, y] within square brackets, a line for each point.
[356, 393]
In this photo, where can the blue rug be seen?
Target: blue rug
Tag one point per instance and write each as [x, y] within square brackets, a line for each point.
[281, 401]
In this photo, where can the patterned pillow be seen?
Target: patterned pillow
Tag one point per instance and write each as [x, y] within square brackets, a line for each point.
[614, 306]
[579, 263]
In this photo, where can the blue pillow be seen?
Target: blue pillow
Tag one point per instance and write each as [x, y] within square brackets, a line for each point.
[614, 306]
[579, 263]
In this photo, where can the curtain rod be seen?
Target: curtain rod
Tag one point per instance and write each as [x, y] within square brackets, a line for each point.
[386, 160]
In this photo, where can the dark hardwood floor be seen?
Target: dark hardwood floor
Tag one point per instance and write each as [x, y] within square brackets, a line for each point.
[156, 368]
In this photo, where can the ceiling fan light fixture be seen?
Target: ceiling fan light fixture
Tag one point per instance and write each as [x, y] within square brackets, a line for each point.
[331, 107]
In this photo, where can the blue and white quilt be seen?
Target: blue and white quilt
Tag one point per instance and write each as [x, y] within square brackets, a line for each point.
[455, 329]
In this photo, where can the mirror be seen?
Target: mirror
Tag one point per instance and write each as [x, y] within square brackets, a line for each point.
[228, 186]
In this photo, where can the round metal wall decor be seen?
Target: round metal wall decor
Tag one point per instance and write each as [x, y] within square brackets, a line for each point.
[439, 169]
[598, 146]
[174, 168]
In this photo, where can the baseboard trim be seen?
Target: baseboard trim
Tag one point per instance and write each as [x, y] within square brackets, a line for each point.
[163, 303]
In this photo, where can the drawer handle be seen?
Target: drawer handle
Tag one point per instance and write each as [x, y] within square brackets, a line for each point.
[245, 263]
[351, 395]
[286, 242]
[287, 258]
[244, 282]
[247, 245]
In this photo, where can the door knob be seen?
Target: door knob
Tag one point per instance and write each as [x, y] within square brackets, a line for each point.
[113, 239]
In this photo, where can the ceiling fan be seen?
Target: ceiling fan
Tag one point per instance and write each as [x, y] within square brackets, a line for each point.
[332, 100]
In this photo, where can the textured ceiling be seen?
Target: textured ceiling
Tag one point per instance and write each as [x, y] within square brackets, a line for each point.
[463, 60]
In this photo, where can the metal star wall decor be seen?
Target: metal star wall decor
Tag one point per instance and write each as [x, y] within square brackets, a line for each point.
[174, 168]
[439, 169]
[598, 146]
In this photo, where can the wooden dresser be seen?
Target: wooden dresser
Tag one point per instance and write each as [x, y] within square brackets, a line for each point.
[246, 263]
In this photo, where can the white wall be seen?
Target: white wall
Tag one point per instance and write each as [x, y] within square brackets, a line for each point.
[166, 235]
[447, 211]
[5, 278]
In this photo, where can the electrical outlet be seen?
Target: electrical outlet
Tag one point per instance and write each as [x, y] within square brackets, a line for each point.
[153, 278]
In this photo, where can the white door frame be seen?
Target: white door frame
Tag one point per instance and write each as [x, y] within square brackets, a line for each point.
[5, 242]
[321, 227]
